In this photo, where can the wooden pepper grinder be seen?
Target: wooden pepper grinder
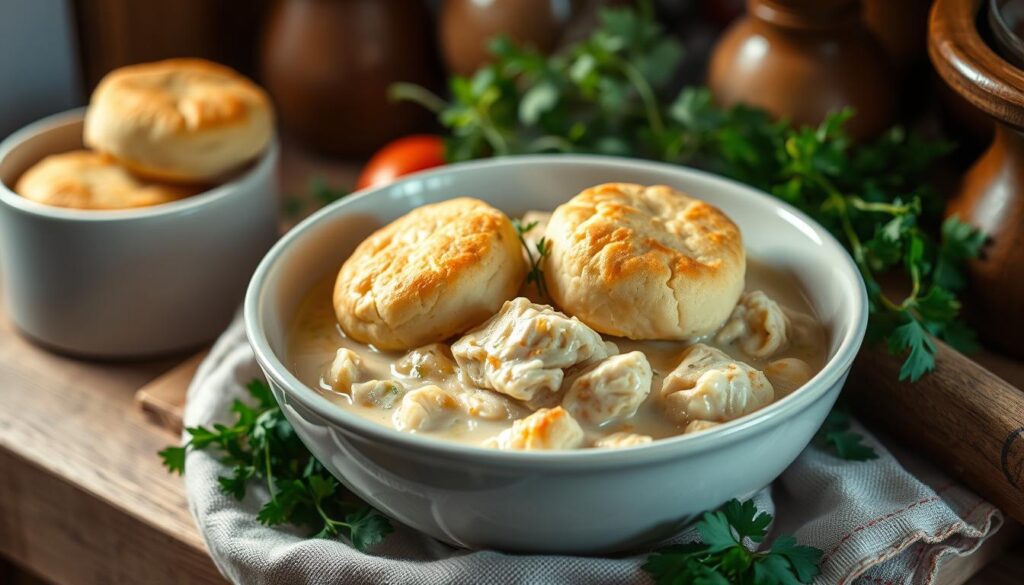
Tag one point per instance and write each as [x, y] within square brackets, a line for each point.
[801, 59]
[991, 196]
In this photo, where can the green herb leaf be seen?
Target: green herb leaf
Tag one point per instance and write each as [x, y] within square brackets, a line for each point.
[912, 338]
[173, 459]
[720, 558]
[746, 520]
[850, 446]
[261, 445]
[836, 434]
[804, 560]
[716, 532]
[367, 527]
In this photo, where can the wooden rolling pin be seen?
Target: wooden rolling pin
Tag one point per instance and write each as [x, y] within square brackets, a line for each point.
[965, 418]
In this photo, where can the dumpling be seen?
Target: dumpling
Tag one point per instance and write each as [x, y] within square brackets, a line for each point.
[488, 405]
[429, 408]
[344, 370]
[709, 385]
[788, 374]
[377, 393]
[548, 428]
[758, 325]
[622, 440]
[612, 389]
[522, 350]
[430, 362]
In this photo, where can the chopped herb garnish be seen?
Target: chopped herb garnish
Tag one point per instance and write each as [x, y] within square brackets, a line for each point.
[536, 258]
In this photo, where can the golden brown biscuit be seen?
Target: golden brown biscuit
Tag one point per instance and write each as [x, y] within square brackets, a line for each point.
[184, 120]
[644, 262]
[431, 274]
[89, 180]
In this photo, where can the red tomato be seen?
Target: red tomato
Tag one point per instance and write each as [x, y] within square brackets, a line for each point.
[401, 157]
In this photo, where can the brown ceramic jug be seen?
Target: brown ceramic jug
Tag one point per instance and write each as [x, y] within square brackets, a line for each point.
[801, 59]
[991, 196]
[467, 26]
[328, 65]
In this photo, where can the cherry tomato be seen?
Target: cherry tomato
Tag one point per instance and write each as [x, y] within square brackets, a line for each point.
[401, 157]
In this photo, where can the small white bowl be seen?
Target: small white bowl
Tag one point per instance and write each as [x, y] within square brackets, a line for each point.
[133, 282]
[585, 501]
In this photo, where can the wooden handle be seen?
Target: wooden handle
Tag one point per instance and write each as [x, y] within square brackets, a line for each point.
[965, 418]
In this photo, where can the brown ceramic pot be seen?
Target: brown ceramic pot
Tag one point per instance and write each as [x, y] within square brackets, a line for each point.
[801, 59]
[991, 196]
[329, 63]
[466, 27]
[901, 26]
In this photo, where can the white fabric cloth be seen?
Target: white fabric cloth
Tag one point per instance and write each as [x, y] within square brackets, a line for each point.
[876, 522]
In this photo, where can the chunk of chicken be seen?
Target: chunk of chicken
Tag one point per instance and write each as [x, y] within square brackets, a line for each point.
[489, 405]
[522, 350]
[621, 440]
[377, 393]
[429, 408]
[788, 374]
[697, 426]
[709, 385]
[613, 389]
[430, 362]
[758, 325]
[548, 428]
[344, 370]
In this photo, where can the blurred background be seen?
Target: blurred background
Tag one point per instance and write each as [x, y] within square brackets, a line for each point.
[327, 63]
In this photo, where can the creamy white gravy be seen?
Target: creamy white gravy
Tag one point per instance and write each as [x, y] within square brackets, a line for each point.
[315, 337]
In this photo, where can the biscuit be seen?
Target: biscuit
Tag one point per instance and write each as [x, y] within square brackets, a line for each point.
[644, 262]
[185, 120]
[89, 180]
[431, 274]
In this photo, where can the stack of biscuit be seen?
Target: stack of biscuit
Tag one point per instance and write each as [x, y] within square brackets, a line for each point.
[157, 132]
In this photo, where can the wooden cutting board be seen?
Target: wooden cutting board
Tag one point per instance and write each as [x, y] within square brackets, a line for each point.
[163, 399]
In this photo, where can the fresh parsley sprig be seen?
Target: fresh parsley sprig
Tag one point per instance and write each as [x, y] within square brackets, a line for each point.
[720, 558]
[836, 435]
[536, 273]
[606, 95]
[262, 445]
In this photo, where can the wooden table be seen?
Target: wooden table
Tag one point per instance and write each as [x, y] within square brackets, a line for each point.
[83, 497]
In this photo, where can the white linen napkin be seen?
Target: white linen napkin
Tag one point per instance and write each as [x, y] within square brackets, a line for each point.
[875, 521]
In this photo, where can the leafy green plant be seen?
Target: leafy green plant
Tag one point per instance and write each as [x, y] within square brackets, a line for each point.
[720, 558]
[605, 95]
[262, 445]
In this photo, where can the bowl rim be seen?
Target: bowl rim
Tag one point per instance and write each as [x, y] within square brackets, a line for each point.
[830, 375]
[259, 167]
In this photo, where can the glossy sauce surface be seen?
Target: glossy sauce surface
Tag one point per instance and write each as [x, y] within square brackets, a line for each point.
[315, 337]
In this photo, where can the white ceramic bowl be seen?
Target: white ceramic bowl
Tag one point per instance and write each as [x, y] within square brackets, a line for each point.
[134, 282]
[585, 501]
